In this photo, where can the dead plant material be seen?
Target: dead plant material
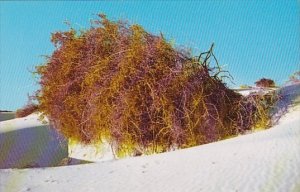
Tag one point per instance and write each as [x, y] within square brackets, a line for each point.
[118, 83]
[26, 110]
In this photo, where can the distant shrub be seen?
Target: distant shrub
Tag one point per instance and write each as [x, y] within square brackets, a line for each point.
[265, 83]
[26, 110]
[5, 111]
[115, 82]
[295, 77]
[245, 86]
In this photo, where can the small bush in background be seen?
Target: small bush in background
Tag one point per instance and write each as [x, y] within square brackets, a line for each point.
[245, 87]
[295, 77]
[265, 83]
[26, 110]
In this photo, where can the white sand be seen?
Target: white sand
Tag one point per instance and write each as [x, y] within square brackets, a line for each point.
[263, 161]
[247, 91]
[92, 153]
[27, 142]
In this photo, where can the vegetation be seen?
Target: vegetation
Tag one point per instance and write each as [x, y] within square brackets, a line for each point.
[265, 83]
[26, 110]
[295, 77]
[245, 87]
[116, 82]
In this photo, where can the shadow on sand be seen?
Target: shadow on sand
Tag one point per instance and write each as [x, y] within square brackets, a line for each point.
[288, 96]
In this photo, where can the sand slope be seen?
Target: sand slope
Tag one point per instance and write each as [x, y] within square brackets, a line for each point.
[263, 161]
[4, 116]
[27, 142]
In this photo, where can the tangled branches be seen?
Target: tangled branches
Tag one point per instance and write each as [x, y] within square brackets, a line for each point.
[118, 83]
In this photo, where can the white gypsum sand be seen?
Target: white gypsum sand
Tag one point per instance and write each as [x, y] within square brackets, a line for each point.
[27, 142]
[4, 116]
[263, 161]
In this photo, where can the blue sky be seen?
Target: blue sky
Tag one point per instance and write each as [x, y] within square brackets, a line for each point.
[253, 39]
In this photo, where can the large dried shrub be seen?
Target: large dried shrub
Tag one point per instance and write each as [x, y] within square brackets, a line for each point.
[117, 83]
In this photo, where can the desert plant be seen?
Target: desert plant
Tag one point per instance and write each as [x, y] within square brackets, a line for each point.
[265, 83]
[116, 82]
[245, 87]
[295, 77]
[26, 110]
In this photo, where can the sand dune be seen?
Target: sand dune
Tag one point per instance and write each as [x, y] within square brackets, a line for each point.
[264, 161]
[27, 142]
[268, 160]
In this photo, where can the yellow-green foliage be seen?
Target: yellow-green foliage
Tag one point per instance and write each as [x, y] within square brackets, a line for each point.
[245, 87]
[118, 83]
[264, 105]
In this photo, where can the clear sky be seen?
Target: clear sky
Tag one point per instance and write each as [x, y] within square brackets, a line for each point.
[253, 39]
